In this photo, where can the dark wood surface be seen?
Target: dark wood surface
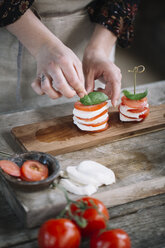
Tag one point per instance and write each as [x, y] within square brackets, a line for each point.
[144, 219]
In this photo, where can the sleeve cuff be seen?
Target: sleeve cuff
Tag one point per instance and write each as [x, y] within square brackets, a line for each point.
[117, 16]
[11, 11]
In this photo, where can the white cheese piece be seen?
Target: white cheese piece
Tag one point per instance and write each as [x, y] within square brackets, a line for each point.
[124, 110]
[89, 114]
[125, 119]
[89, 128]
[98, 120]
[98, 171]
[80, 177]
[78, 189]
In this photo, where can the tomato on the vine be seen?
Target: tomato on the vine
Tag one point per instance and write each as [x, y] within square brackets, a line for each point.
[116, 238]
[59, 233]
[93, 211]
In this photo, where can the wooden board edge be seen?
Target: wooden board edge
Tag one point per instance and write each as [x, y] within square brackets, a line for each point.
[111, 198]
[138, 190]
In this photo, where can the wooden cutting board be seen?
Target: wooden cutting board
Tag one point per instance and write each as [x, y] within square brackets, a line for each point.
[60, 135]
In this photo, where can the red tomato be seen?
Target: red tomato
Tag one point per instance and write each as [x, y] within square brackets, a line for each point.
[33, 170]
[96, 218]
[116, 238]
[145, 114]
[78, 105]
[59, 233]
[139, 110]
[134, 103]
[10, 168]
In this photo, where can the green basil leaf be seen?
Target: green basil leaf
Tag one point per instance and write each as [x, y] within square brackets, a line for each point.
[137, 96]
[94, 98]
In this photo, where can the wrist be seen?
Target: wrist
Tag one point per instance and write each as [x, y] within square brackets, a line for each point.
[102, 41]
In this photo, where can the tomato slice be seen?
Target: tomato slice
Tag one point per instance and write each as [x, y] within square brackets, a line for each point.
[94, 118]
[10, 168]
[33, 170]
[145, 114]
[137, 110]
[131, 118]
[97, 124]
[100, 130]
[78, 105]
[134, 103]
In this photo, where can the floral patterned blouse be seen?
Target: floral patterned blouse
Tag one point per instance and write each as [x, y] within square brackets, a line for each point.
[116, 15]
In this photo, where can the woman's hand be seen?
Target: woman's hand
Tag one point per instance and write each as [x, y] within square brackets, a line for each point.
[59, 71]
[96, 64]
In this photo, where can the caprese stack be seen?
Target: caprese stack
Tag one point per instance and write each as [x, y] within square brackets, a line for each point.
[133, 110]
[91, 112]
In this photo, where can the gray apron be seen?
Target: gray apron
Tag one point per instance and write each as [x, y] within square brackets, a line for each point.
[69, 21]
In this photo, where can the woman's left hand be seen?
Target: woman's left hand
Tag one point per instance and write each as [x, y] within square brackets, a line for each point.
[96, 65]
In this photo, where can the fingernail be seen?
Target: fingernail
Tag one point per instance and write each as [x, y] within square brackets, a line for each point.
[81, 95]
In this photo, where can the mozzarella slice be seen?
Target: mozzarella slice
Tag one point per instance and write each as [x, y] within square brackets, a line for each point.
[78, 189]
[80, 177]
[124, 110]
[125, 119]
[89, 128]
[98, 120]
[89, 114]
[96, 170]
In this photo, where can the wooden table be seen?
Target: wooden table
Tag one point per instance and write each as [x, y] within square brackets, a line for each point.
[144, 220]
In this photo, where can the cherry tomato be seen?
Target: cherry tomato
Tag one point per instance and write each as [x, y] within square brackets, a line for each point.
[116, 238]
[134, 103]
[59, 233]
[96, 218]
[10, 168]
[33, 170]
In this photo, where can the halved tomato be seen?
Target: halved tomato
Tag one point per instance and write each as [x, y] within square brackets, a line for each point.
[134, 103]
[10, 168]
[78, 105]
[33, 170]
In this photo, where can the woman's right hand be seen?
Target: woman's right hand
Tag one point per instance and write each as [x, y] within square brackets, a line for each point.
[59, 71]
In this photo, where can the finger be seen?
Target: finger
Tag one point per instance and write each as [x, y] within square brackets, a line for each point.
[115, 91]
[106, 91]
[47, 88]
[89, 81]
[113, 85]
[74, 78]
[36, 85]
[61, 84]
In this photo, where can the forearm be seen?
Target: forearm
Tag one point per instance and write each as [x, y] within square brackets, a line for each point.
[102, 40]
[31, 32]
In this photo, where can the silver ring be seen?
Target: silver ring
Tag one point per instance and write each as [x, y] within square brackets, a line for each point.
[43, 78]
